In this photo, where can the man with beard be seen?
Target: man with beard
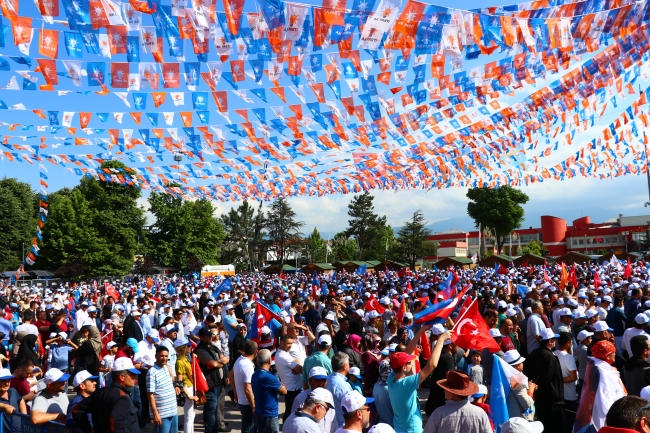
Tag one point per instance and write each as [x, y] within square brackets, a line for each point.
[356, 412]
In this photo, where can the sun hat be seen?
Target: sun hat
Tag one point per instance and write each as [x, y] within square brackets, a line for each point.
[458, 383]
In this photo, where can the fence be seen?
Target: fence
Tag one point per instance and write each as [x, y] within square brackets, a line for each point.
[21, 423]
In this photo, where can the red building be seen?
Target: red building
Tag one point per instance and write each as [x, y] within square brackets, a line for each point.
[558, 238]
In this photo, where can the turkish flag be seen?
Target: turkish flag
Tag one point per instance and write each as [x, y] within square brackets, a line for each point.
[465, 306]
[628, 269]
[107, 338]
[597, 281]
[110, 291]
[373, 305]
[471, 332]
[264, 317]
[200, 383]
[401, 312]
[572, 276]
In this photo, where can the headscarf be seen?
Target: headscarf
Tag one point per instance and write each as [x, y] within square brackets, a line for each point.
[26, 350]
[384, 371]
[353, 342]
[95, 340]
[602, 350]
[372, 343]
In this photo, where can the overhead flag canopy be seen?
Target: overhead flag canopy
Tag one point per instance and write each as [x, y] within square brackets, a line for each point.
[265, 98]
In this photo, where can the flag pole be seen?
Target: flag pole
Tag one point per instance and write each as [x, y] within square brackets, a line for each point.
[464, 312]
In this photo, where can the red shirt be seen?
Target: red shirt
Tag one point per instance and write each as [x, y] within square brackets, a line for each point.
[121, 354]
[44, 334]
[506, 343]
[20, 385]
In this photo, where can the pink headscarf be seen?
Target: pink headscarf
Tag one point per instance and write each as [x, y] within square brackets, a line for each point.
[353, 342]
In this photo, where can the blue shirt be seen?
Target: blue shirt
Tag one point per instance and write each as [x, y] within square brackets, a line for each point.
[338, 385]
[6, 327]
[265, 389]
[70, 423]
[404, 399]
[60, 355]
[228, 321]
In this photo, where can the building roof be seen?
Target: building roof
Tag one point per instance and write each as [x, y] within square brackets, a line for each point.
[449, 232]
[459, 260]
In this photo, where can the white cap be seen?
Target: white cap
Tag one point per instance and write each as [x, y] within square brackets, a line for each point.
[572, 302]
[353, 400]
[81, 377]
[437, 329]
[5, 374]
[55, 375]
[502, 304]
[381, 428]
[482, 390]
[321, 394]
[318, 373]
[136, 312]
[330, 316]
[548, 334]
[645, 393]
[579, 315]
[121, 364]
[591, 313]
[584, 334]
[63, 335]
[409, 316]
[495, 333]
[373, 314]
[360, 312]
[601, 326]
[325, 340]
[641, 318]
[565, 312]
[110, 344]
[520, 425]
[355, 371]
[510, 312]
[513, 357]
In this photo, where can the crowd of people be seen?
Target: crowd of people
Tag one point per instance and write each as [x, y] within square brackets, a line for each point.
[345, 352]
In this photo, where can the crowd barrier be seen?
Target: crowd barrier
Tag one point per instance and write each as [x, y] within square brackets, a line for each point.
[21, 423]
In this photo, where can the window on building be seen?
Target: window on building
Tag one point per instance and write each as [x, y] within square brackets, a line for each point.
[574, 242]
[581, 241]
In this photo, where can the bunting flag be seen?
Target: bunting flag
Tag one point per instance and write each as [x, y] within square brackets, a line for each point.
[417, 95]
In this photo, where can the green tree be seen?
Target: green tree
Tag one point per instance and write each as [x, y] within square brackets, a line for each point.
[412, 240]
[283, 229]
[364, 223]
[316, 247]
[533, 247]
[344, 248]
[383, 241]
[19, 206]
[185, 232]
[241, 242]
[499, 209]
[72, 246]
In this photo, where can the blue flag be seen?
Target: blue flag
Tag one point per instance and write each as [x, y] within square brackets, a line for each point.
[499, 390]
[226, 285]
[361, 270]
[445, 284]
[170, 289]
[479, 274]
[522, 290]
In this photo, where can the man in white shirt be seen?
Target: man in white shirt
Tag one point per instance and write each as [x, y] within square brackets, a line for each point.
[564, 354]
[148, 346]
[640, 322]
[27, 325]
[317, 379]
[300, 342]
[290, 371]
[241, 375]
[81, 315]
[535, 326]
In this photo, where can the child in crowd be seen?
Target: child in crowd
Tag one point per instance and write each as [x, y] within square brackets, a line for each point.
[355, 379]
[476, 369]
[107, 362]
[479, 398]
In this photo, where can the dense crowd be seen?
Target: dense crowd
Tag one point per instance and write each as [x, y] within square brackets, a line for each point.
[549, 350]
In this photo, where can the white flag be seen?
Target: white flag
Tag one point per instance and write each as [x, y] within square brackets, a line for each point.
[118, 117]
[178, 98]
[133, 17]
[67, 118]
[295, 14]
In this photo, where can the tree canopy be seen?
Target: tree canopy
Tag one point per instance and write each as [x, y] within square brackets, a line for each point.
[243, 239]
[316, 248]
[283, 230]
[412, 240]
[499, 209]
[19, 206]
[344, 248]
[366, 226]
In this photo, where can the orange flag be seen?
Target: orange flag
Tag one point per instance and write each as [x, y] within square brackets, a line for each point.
[401, 312]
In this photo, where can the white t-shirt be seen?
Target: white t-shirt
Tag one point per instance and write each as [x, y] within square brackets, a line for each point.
[28, 328]
[243, 370]
[298, 349]
[568, 364]
[627, 336]
[284, 363]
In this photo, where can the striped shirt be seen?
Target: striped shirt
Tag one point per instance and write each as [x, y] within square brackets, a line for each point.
[159, 382]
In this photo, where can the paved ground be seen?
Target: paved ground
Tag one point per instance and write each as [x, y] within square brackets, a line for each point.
[233, 416]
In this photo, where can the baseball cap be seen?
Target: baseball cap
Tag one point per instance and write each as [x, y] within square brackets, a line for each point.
[81, 377]
[482, 390]
[502, 304]
[171, 328]
[584, 334]
[110, 344]
[520, 425]
[495, 333]
[325, 340]
[601, 326]
[400, 359]
[591, 313]
[548, 334]
[154, 334]
[381, 428]
[330, 316]
[55, 375]
[641, 318]
[565, 312]
[437, 329]
[136, 312]
[318, 373]
[5, 374]
[181, 342]
[321, 394]
[645, 392]
[229, 307]
[133, 344]
[356, 372]
[121, 364]
[353, 400]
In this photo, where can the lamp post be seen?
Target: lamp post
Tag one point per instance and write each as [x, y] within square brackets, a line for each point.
[178, 158]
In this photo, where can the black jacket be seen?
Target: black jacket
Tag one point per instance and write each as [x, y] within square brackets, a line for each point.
[215, 376]
[111, 409]
[543, 368]
[636, 375]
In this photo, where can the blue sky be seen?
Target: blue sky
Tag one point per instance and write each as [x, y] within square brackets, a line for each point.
[445, 209]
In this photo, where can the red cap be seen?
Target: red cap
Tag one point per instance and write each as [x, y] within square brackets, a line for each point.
[400, 359]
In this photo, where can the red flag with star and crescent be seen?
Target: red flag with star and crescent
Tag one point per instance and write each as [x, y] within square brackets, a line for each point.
[471, 332]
